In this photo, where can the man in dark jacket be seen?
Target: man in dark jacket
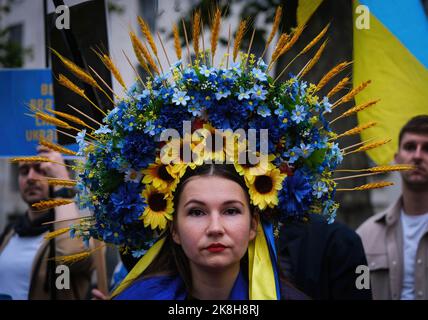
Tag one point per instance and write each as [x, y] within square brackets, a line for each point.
[27, 266]
[321, 259]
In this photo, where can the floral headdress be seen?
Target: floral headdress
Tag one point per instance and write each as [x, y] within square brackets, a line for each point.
[124, 178]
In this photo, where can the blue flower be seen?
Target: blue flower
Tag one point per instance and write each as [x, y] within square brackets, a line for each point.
[190, 76]
[151, 128]
[261, 64]
[205, 71]
[127, 202]
[243, 94]
[295, 195]
[129, 123]
[298, 114]
[222, 93]
[306, 150]
[180, 98]
[259, 74]
[195, 109]
[80, 139]
[103, 130]
[138, 253]
[319, 189]
[138, 149]
[236, 67]
[293, 154]
[258, 92]
[264, 111]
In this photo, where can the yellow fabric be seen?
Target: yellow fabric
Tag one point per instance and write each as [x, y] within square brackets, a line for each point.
[141, 265]
[398, 79]
[305, 10]
[261, 276]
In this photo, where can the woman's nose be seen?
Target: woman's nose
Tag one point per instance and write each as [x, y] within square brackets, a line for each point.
[215, 226]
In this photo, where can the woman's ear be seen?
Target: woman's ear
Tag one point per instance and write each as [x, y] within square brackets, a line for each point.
[254, 224]
[174, 234]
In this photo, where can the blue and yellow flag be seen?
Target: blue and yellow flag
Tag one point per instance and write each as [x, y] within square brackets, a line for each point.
[391, 49]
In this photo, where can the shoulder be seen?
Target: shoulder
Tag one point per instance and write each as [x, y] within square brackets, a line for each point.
[154, 288]
[288, 292]
[372, 224]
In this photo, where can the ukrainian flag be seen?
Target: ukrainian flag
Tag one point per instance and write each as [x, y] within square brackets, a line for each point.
[393, 53]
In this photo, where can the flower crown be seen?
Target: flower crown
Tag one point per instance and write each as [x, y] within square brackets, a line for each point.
[131, 170]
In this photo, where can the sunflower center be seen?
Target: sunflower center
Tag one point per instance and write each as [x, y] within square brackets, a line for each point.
[157, 202]
[263, 184]
[163, 174]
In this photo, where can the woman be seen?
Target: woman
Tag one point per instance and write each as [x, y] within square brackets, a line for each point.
[205, 254]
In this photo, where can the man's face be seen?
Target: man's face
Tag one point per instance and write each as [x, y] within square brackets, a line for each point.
[414, 150]
[32, 189]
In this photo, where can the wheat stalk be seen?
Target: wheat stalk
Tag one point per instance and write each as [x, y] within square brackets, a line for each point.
[108, 62]
[70, 118]
[61, 182]
[215, 29]
[347, 97]
[315, 40]
[332, 73]
[369, 186]
[356, 109]
[56, 233]
[85, 115]
[163, 49]
[77, 71]
[52, 120]
[72, 258]
[56, 147]
[238, 38]
[135, 71]
[314, 60]
[145, 29]
[76, 257]
[140, 52]
[396, 167]
[339, 86]
[64, 81]
[370, 146]
[296, 35]
[196, 31]
[49, 204]
[381, 169]
[187, 41]
[279, 46]
[357, 129]
[275, 26]
[177, 45]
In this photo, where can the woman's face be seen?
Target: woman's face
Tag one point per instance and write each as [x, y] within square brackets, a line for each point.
[213, 224]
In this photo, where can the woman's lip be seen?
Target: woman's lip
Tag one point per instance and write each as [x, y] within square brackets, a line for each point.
[216, 249]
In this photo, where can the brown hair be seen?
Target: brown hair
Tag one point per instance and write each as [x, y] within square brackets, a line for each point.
[418, 125]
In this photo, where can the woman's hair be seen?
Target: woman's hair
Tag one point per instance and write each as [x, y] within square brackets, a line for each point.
[172, 260]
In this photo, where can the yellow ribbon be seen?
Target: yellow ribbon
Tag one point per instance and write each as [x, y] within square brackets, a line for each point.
[262, 283]
[141, 265]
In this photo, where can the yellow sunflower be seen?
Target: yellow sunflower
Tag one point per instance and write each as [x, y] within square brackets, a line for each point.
[213, 141]
[264, 189]
[249, 170]
[159, 208]
[161, 176]
[174, 154]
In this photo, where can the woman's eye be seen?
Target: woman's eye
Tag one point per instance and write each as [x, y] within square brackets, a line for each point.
[195, 212]
[232, 211]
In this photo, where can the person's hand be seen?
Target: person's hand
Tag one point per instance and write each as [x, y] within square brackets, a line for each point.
[98, 295]
[53, 170]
